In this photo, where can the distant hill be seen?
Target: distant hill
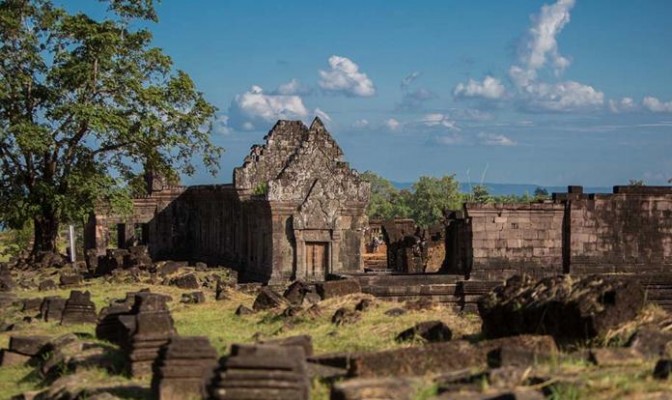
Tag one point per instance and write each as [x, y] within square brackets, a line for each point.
[519, 189]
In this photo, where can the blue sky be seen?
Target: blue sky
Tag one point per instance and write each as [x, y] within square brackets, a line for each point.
[521, 91]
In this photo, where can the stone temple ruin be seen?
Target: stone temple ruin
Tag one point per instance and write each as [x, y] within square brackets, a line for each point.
[295, 210]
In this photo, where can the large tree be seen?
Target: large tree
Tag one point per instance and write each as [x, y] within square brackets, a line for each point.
[432, 196]
[85, 103]
[386, 202]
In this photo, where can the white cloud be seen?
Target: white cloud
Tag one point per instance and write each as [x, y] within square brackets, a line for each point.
[563, 96]
[439, 120]
[360, 124]
[344, 77]
[392, 124]
[491, 88]
[323, 115]
[410, 78]
[541, 50]
[414, 100]
[542, 45]
[293, 87]
[654, 105]
[250, 110]
[626, 104]
[492, 139]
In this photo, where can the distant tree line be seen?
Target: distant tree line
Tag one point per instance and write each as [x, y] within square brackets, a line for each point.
[429, 196]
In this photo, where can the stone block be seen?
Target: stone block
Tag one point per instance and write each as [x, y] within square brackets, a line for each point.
[331, 289]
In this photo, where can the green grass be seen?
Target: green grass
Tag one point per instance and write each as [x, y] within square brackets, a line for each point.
[570, 379]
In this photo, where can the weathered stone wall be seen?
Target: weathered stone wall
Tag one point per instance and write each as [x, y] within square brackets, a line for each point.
[507, 239]
[628, 231]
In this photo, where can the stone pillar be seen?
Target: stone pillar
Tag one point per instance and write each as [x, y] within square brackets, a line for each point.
[300, 250]
[334, 252]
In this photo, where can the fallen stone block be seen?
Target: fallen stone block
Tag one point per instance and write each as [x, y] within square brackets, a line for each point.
[344, 316]
[188, 281]
[268, 299]
[242, 310]
[615, 356]
[46, 285]
[27, 345]
[303, 341]
[652, 343]
[10, 358]
[662, 369]
[568, 308]
[331, 289]
[431, 331]
[79, 309]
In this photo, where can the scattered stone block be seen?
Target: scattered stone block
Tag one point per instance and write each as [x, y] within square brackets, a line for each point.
[70, 280]
[303, 341]
[154, 327]
[201, 266]
[188, 281]
[6, 282]
[169, 268]
[46, 285]
[344, 316]
[184, 368]
[662, 369]
[267, 299]
[652, 343]
[431, 331]
[295, 292]
[422, 304]
[10, 358]
[116, 322]
[373, 388]
[568, 308]
[242, 310]
[32, 305]
[363, 305]
[292, 311]
[343, 287]
[27, 345]
[193, 298]
[79, 309]
[52, 308]
[262, 372]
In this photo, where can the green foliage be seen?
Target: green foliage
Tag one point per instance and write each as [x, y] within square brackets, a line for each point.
[480, 194]
[540, 193]
[16, 241]
[636, 182]
[386, 202]
[431, 196]
[83, 101]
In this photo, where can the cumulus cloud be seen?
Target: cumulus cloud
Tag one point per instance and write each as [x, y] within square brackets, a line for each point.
[254, 108]
[492, 139]
[626, 104]
[344, 77]
[221, 125]
[563, 96]
[542, 46]
[293, 87]
[491, 89]
[439, 120]
[392, 124]
[654, 105]
[541, 51]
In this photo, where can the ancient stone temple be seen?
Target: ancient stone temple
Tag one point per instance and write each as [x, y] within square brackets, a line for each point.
[295, 210]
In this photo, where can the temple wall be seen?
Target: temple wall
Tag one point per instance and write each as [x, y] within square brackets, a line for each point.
[628, 231]
[513, 238]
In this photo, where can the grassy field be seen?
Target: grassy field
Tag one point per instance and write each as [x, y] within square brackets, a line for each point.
[217, 321]
[375, 331]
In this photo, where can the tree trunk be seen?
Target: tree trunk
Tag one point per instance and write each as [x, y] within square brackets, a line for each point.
[46, 231]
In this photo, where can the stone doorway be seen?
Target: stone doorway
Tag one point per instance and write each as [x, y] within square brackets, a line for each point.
[317, 260]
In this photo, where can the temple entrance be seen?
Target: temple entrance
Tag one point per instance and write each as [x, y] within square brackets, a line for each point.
[317, 260]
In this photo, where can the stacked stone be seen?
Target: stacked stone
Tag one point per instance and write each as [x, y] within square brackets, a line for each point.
[117, 322]
[52, 308]
[262, 372]
[79, 309]
[184, 368]
[153, 329]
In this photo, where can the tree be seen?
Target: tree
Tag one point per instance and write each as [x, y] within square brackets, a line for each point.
[480, 194]
[83, 105]
[431, 196]
[540, 193]
[386, 201]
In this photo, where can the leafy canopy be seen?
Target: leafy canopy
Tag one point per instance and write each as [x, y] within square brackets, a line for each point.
[83, 104]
